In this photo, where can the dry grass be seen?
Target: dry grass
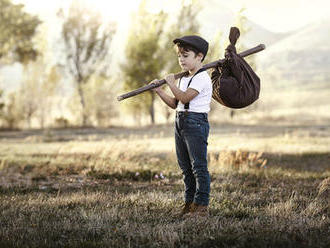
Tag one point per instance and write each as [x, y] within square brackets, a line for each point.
[120, 190]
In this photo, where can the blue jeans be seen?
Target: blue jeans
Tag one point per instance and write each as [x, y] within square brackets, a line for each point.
[191, 133]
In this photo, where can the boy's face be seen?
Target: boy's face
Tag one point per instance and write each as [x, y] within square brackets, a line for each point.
[188, 60]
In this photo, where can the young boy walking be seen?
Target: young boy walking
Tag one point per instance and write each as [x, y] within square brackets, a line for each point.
[192, 98]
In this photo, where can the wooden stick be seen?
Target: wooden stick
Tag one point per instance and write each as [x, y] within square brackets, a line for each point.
[186, 73]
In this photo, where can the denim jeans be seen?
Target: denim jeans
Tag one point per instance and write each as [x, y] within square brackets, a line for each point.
[191, 133]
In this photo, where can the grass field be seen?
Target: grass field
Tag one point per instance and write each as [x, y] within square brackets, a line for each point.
[118, 187]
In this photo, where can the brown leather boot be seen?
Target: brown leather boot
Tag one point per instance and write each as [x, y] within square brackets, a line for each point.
[185, 208]
[197, 211]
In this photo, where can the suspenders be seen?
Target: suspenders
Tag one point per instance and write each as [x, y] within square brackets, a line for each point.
[186, 106]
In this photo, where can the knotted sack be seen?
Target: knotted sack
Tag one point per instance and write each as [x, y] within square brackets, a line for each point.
[236, 85]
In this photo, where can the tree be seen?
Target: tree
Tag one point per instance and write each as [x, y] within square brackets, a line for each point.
[215, 52]
[16, 30]
[12, 112]
[215, 48]
[28, 96]
[87, 44]
[46, 74]
[39, 83]
[185, 24]
[48, 88]
[145, 59]
[100, 95]
[2, 104]
[37, 91]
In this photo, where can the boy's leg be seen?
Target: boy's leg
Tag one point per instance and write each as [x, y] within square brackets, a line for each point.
[185, 165]
[196, 140]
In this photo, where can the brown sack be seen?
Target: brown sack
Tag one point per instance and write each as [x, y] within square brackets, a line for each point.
[237, 85]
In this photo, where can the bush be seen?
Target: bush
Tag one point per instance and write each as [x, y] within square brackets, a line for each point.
[238, 160]
[61, 122]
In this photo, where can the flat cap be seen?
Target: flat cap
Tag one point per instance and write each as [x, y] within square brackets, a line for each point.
[195, 41]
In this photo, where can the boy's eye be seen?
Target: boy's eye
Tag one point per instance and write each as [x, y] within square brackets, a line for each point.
[183, 55]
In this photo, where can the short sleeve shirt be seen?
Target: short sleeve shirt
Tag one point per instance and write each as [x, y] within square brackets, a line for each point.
[203, 84]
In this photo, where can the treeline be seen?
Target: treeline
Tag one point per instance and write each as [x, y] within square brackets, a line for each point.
[73, 85]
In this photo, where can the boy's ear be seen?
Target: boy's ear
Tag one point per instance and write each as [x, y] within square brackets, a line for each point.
[200, 55]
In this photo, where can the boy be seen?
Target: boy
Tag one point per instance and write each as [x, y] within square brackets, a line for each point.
[192, 98]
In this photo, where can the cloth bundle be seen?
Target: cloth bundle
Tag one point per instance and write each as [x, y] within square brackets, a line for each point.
[236, 85]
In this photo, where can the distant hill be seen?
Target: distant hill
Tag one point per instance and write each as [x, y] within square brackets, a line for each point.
[215, 17]
[302, 57]
[259, 34]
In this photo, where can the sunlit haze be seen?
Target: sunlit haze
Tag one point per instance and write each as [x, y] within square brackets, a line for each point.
[118, 11]
[277, 16]
[282, 15]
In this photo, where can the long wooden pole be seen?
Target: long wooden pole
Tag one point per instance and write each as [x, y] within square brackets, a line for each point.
[185, 73]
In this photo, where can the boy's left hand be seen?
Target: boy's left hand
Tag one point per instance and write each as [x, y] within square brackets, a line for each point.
[170, 79]
[158, 89]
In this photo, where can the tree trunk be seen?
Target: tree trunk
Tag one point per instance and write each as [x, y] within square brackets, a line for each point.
[167, 114]
[28, 117]
[83, 104]
[11, 123]
[42, 119]
[152, 108]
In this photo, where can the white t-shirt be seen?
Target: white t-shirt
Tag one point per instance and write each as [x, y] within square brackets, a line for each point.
[203, 84]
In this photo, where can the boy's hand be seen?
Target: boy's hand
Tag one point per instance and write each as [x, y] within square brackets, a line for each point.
[155, 89]
[170, 79]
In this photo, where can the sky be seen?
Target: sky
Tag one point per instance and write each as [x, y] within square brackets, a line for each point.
[282, 15]
[275, 15]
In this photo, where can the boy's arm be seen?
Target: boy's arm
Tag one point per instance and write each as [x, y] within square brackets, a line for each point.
[182, 96]
[169, 100]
